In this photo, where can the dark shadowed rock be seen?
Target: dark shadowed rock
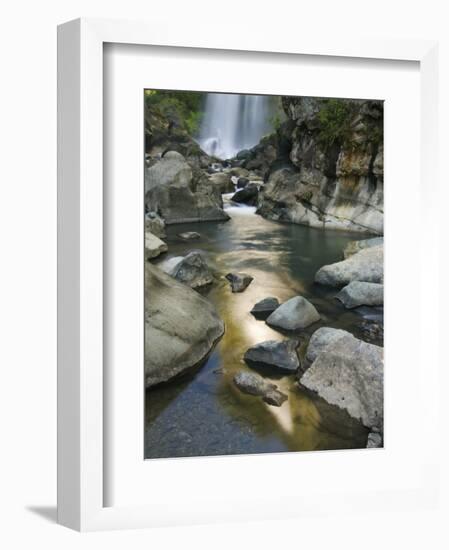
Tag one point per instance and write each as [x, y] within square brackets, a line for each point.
[242, 183]
[239, 281]
[349, 375]
[366, 265]
[253, 384]
[262, 309]
[181, 327]
[359, 293]
[294, 314]
[372, 331]
[247, 195]
[321, 338]
[280, 356]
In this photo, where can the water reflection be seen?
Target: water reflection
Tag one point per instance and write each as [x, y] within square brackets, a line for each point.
[204, 413]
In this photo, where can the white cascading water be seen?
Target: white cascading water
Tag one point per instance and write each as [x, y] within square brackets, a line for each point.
[233, 122]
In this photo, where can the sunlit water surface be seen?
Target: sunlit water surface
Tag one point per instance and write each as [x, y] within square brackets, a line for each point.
[203, 413]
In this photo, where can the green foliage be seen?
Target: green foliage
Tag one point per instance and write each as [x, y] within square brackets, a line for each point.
[182, 109]
[335, 122]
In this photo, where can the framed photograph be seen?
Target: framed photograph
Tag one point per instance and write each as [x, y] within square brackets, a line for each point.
[235, 285]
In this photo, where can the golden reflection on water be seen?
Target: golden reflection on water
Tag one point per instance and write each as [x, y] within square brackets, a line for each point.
[263, 249]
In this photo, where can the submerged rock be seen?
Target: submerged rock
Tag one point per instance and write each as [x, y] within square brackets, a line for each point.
[359, 293]
[181, 327]
[372, 330]
[281, 356]
[366, 265]
[253, 384]
[349, 375]
[191, 270]
[239, 281]
[296, 313]
[321, 338]
[265, 307]
[153, 246]
[189, 235]
[356, 246]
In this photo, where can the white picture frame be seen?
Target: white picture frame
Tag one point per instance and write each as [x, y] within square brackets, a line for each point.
[81, 407]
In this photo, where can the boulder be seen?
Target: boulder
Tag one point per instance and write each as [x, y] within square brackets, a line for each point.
[356, 246]
[266, 306]
[359, 293]
[191, 270]
[374, 440]
[189, 236]
[155, 224]
[179, 193]
[253, 384]
[279, 356]
[321, 338]
[153, 246]
[349, 375]
[294, 314]
[242, 183]
[181, 327]
[366, 265]
[223, 181]
[239, 281]
[247, 195]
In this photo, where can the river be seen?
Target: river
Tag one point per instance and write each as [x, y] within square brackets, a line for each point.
[203, 413]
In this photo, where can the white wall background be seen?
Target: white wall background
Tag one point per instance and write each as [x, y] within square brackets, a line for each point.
[28, 268]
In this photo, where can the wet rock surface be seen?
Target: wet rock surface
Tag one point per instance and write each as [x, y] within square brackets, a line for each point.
[294, 314]
[278, 356]
[266, 306]
[239, 281]
[253, 384]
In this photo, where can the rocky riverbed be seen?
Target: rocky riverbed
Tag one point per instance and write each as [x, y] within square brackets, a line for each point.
[264, 290]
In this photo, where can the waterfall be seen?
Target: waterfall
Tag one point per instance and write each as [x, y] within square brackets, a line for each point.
[233, 122]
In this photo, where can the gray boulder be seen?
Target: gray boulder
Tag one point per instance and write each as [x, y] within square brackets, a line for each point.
[242, 183]
[223, 182]
[155, 224]
[366, 265]
[265, 307]
[181, 327]
[153, 246]
[321, 338]
[356, 246]
[191, 270]
[253, 384]
[239, 281]
[280, 356]
[359, 293]
[374, 440]
[181, 194]
[349, 375]
[294, 314]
